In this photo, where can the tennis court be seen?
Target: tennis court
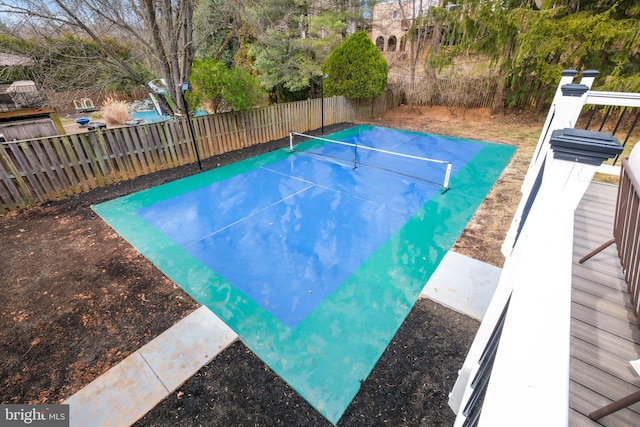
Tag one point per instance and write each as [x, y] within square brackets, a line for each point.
[315, 256]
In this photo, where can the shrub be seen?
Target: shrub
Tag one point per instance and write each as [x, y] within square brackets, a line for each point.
[356, 69]
[223, 88]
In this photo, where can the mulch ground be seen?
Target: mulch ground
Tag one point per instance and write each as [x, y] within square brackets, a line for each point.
[77, 299]
[408, 387]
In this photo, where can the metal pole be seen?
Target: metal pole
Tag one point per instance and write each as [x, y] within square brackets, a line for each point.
[447, 176]
[324, 76]
[192, 130]
[322, 107]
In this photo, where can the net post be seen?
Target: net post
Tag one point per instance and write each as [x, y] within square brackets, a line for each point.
[355, 156]
[447, 175]
[290, 141]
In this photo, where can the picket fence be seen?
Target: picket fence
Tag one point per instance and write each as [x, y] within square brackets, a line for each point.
[52, 168]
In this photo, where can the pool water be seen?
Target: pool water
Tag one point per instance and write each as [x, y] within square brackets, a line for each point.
[152, 116]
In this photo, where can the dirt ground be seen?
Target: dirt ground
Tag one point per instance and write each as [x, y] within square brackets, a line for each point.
[77, 299]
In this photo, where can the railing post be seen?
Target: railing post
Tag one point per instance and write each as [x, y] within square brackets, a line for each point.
[567, 77]
[568, 103]
[588, 76]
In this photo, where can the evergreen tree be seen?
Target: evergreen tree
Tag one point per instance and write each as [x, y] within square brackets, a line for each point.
[529, 47]
[290, 42]
[356, 69]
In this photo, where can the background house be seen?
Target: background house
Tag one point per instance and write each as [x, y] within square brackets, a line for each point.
[392, 21]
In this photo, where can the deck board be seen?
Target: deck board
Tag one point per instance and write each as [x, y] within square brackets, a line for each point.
[604, 340]
[603, 333]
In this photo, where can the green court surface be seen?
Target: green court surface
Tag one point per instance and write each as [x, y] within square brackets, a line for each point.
[315, 264]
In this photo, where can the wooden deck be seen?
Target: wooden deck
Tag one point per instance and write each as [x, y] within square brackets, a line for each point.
[604, 337]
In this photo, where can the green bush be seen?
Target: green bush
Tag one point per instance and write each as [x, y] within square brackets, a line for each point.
[218, 88]
[356, 69]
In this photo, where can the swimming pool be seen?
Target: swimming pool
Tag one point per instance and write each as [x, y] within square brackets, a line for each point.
[152, 116]
[149, 116]
[314, 263]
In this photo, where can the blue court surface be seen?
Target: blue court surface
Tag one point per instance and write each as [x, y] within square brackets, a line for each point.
[314, 257]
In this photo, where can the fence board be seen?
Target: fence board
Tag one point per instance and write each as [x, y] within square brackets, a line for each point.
[138, 152]
[83, 159]
[204, 132]
[269, 125]
[41, 163]
[260, 132]
[225, 132]
[247, 135]
[183, 131]
[65, 163]
[5, 196]
[16, 189]
[138, 136]
[151, 143]
[117, 153]
[103, 157]
[37, 167]
[94, 157]
[238, 130]
[220, 143]
[223, 141]
[236, 135]
[24, 169]
[76, 164]
[238, 142]
[274, 118]
[56, 166]
[208, 135]
[185, 144]
[174, 143]
[167, 144]
[211, 134]
[129, 153]
[49, 169]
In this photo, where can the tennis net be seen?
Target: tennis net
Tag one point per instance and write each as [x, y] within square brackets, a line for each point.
[434, 171]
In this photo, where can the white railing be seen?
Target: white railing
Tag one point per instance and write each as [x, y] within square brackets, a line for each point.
[517, 369]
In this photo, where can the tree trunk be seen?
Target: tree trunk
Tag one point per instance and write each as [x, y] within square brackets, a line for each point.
[172, 35]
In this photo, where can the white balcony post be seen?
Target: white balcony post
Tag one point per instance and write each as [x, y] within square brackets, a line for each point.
[529, 381]
[531, 370]
[566, 113]
[567, 78]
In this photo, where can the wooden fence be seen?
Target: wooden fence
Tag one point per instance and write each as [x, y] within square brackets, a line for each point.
[35, 171]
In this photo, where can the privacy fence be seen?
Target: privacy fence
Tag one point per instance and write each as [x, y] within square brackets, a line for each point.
[460, 92]
[35, 171]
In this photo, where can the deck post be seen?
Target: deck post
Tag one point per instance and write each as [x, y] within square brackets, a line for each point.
[569, 100]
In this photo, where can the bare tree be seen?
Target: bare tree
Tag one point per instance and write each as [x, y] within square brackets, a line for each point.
[416, 13]
[170, 24]
[162, 28]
